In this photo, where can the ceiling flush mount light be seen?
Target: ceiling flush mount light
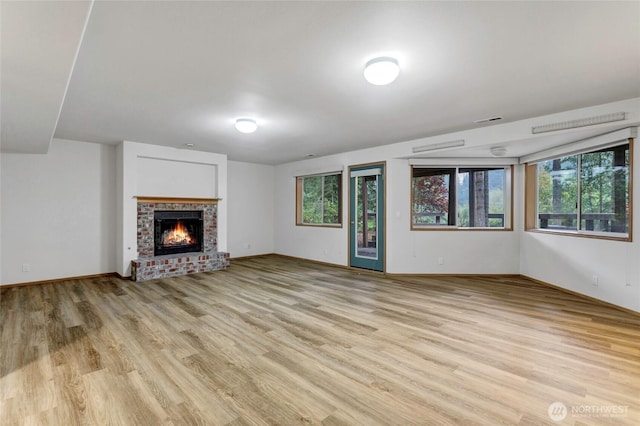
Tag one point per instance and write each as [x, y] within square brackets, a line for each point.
[498, 151]
[381, 71]
[246, 125]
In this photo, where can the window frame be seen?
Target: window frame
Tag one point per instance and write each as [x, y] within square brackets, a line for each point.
[531, 196]
[508, 199]
[300, 199]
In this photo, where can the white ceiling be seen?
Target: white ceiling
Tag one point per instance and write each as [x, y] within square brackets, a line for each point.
[38, 45]
[172, 73]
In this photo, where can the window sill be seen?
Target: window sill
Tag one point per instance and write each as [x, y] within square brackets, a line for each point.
[456, 228]
[320, 225]
[597, 236]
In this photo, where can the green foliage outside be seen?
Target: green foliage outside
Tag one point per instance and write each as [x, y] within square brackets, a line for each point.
[561, 178]
[431, 197]
[599, 181]
[496, 205]
[496, 198]
[321, 199]
[372, 199]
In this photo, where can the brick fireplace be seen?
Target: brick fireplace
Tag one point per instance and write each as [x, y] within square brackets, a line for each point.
[151, 266]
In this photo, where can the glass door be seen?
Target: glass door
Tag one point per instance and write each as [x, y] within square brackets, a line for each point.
[366, 217]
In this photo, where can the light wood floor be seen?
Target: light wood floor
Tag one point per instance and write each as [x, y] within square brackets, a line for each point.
[275, 340]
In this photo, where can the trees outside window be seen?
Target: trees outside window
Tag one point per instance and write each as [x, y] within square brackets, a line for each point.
[587, 192]
[461, 197]
[558, 192]
[433, 193]
[318, 200]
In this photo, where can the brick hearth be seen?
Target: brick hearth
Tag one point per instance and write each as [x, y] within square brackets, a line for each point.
[148, 266]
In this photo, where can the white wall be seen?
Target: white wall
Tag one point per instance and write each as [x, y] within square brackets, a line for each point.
[250, 209]
[572, 262]
[84, 192]
[1, 209]
[176, 178]
[58, 212]
[194, 174]
[463, 252]
[407, 252]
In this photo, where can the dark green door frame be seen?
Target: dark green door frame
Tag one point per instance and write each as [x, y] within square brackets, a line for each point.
[366, 216]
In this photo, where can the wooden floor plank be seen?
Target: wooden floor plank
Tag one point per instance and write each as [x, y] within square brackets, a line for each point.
[275, 340]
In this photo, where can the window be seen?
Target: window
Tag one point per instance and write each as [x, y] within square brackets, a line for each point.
[319, 200]
[585, 193]
[461, 197]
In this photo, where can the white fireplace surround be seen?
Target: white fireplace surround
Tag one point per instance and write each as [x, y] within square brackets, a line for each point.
[164, 172]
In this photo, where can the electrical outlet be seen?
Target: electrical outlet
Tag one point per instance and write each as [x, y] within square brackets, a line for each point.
[26, 267]
[594, 280]
[441, 261]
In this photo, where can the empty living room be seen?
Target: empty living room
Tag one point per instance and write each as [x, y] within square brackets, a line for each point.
[319, 212]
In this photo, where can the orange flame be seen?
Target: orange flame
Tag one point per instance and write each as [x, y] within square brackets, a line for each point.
[179, 235]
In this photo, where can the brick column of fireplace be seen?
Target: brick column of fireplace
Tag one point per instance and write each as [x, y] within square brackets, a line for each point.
[148, 266]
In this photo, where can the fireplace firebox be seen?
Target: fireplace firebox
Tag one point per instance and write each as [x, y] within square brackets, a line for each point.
[177, 232]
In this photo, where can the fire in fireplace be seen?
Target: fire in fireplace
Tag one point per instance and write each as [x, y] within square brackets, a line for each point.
[177, 232]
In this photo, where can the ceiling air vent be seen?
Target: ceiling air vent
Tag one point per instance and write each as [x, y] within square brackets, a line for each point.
[438, 146]
[487, 120]
[582, 122]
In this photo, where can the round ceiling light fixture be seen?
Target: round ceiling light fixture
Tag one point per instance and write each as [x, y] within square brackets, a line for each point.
[246, 125]
[498, 151]
[382, 70]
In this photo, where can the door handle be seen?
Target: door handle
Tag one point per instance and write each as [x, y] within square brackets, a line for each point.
[352, 222]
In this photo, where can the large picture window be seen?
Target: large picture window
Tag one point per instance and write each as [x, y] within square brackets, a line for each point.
[319, 200]
[461, 197]
[586, 193]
